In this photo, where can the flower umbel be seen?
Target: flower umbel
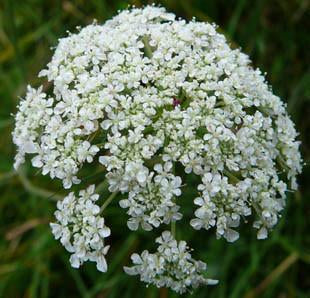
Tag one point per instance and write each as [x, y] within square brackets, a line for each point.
[171, 266]
[81, 229]
[146, 96]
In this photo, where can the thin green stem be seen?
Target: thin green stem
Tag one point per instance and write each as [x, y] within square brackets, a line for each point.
[281, 162]
[108, 201]
[173, 228]
[147, 48]
[36, 190]
[102, 186]
[232, 177]
[256, 208]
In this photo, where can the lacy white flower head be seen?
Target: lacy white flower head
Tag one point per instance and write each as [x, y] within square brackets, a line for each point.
[140, 94]
[80, 228]
[171, 266]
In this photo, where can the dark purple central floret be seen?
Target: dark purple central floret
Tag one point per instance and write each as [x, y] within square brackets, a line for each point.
[176, 102]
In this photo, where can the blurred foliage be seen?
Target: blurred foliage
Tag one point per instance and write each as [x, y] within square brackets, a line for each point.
[275, 33]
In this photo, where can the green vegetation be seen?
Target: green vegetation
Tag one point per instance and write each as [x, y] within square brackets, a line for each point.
[32, 264]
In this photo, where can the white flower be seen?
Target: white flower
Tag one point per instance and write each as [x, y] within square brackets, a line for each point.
[86, 152]
[170, 266]
[152, 95]
[153, 202]
[81, 228]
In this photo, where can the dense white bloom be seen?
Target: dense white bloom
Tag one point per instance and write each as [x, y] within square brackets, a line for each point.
[81, 229]
[171, 266]
[142, 94]
[153, 203]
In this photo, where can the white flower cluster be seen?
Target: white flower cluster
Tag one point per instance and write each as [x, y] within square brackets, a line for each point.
[52, 135]
[81, 229]
[146, 92]
[171, 266]
[152, 201]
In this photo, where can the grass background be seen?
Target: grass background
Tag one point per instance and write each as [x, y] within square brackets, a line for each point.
[275, 34]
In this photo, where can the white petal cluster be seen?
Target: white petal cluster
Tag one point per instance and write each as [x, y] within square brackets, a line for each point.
[170, 266]
[152, 200]
[52, 135]
[146, 93]
[81, 229]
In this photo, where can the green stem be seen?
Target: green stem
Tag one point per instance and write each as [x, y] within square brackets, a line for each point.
[101, 145]
[147, 48]
[173, 228]
[108, 201]
[36, 190]
[102, 186]
[233, 178]
[256, 208]
[282, 163]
